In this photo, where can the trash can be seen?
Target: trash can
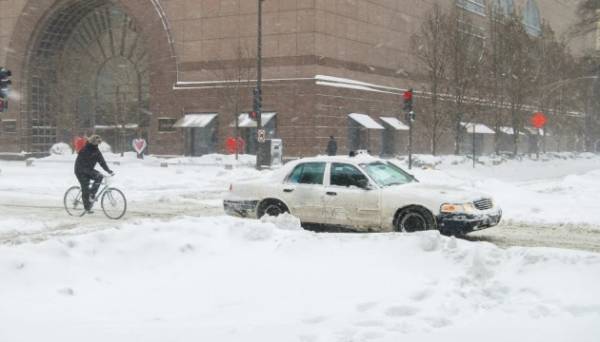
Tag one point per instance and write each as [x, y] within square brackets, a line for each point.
[270, 153]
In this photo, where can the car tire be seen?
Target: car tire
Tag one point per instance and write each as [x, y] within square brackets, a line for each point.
[414, 219]
[271, 208]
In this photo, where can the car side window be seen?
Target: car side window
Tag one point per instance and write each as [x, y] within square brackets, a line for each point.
[308, 173]
[346, 175]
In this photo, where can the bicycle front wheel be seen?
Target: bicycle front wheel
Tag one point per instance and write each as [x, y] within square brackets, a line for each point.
[73, 201]
[113, 203]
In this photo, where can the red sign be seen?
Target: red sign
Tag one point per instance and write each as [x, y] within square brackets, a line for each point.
[538, 120]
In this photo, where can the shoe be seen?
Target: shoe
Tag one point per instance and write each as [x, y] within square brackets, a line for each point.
[89, 211]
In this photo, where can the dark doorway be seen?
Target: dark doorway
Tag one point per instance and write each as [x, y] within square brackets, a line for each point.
[202, 140]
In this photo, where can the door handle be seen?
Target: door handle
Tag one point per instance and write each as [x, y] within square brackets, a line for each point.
[331, 193]
[288, 190]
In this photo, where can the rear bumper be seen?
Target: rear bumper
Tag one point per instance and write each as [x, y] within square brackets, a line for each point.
[241, 208]
[458, 224]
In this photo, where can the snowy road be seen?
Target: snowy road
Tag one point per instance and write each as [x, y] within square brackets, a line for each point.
[507, 234]
[581, 237]
[546, 203]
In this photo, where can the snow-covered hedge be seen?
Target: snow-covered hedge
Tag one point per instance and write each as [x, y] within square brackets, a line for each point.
[105, 147]
[61, 149]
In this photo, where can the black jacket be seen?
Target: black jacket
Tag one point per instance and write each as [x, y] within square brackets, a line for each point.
[331, 147]
[87, 159]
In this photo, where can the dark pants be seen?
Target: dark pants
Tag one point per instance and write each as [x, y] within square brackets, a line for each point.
[84, 179]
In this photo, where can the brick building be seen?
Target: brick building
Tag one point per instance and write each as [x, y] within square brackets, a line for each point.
[181, 71]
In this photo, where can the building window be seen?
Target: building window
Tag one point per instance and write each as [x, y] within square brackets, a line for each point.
[506, 7]
[475, 6]
[531, 19]
[166, 125]
[9, 126]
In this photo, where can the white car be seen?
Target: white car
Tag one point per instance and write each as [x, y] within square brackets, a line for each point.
[361, 193]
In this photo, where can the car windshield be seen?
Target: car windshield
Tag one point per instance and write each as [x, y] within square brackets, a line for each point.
[387, 174]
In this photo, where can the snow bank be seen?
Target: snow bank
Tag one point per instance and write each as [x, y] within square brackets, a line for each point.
[131, 158]
[560, 188]
[227, 279]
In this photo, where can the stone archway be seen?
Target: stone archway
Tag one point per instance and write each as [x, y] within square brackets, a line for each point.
[87, 65]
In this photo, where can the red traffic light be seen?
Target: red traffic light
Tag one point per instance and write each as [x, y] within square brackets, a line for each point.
[538, 120]
[407, 95]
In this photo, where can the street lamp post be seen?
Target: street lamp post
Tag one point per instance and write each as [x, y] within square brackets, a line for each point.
[258, 92]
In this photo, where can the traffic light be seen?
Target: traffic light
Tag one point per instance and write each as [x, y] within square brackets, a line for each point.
[257, 105]
[5, 83]
[253, 115]
[410, 116]
[408, 98]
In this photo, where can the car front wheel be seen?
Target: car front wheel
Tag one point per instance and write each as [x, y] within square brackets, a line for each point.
[414, 219]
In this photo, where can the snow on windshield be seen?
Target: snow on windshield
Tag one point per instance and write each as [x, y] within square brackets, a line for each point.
[386, 174]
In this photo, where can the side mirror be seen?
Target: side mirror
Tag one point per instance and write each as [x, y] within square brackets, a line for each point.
[363, 183]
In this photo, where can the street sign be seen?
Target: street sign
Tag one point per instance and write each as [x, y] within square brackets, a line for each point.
[538, 120]
[261, 136]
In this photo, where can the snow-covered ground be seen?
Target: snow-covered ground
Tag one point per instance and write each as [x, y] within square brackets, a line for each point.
[558, 188]
[176, 269]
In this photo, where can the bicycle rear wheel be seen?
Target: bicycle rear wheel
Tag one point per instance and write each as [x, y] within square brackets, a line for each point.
[114, 203]
[73, 202]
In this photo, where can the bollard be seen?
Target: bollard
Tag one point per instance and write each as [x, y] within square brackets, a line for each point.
[29, 162]
[164, 164]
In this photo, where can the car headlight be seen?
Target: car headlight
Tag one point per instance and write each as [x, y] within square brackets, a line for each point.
[448, 208]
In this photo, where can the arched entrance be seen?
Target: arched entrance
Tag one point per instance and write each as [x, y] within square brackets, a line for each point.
[87, 70]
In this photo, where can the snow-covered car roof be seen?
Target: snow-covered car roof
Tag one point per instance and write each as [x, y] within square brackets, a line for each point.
[359, 158]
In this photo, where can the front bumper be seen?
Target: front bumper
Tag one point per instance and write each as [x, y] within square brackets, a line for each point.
[461, 223]
[241, 208]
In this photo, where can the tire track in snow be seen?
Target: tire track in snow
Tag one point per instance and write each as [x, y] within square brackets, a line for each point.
[507, 234]
[63, 225]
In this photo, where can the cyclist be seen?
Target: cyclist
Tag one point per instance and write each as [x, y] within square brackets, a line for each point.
[86, 160]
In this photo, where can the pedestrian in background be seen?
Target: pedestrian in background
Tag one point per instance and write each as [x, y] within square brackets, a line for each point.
[331, 146]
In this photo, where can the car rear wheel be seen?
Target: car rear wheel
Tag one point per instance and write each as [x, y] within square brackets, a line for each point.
[414, 219]
[272, 208]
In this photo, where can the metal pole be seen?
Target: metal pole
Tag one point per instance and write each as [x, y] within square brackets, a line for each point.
[473, 144]
[537, 144]
[410, 125]
[259, 81]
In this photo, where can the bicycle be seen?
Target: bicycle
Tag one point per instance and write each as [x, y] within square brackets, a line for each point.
[112, 200]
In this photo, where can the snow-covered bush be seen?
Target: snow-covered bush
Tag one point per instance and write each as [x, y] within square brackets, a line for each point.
[104, 147]
[61, 149]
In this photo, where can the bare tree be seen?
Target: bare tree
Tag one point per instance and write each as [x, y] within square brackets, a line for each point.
[520, 54]
[429, 46]
[589, 16]
[465, 45]
[236, 75]
[495, 68]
